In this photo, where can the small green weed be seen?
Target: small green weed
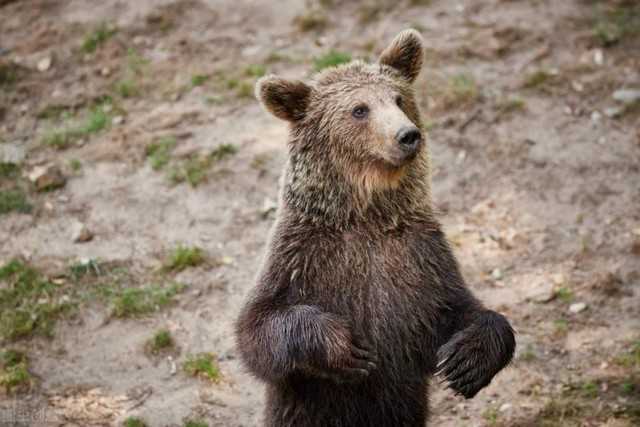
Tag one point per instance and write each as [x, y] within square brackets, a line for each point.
[29, 303]
[96, 120]
[223, 151]
[199, 79]
[134, 422]
[14, 200]
[616, 23]
[183, 257]
[9, 170]
[510, 105]
[159, 153]
[538, 79]
[135, 302]
[14, 372]
[195, 423]
[332, 58]
[161, 340]
[127, 88]
[564, 294]
[97, 37]
[75, 165]
[631, 357]
[255, 70]
[311, 20]
[203, 365]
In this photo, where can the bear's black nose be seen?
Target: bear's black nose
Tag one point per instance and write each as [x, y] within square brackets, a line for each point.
[409, 137]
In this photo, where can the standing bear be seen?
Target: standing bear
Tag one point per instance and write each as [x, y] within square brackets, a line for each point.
[360, 300]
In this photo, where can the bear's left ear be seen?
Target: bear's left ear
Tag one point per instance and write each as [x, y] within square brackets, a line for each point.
[285, 99]
[405, 54]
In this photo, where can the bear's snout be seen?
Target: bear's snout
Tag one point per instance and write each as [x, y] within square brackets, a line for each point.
[409, 137]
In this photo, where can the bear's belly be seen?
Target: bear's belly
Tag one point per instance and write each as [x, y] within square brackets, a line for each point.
[381, 289]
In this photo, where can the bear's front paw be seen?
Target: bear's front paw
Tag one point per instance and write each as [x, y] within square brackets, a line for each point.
[472, 357]
[353, 364]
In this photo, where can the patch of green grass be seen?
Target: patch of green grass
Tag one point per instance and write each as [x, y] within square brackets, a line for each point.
[161, 341]
[245, 89]
[214, 100]
[199, 79]
[75, 165]
[14, 200]
[8, 74]
[183, 257]
[589, 389]
[136, 62]
[88, 267]
[537, 79]
[255, 70]
[14, 372]
[510, 104]
[9, 170]
[490, 415]
[60, 139]
[420, 2]
[223, 151]
[97, 37]
[311, 20]
[196, 423]
[332, 58]
[96, 120]
[628, 387]
[528, 354]
[631, 357]
[202, 365]
[134, 422]
[564, 294]
[29, 303]
[127, 88]
[136, 302]
[159, 153]
[560, 326]
[193, 170]
[371, 10]
[616, 23]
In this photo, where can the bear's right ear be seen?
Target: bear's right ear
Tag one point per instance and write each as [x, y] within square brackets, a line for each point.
[285, 99]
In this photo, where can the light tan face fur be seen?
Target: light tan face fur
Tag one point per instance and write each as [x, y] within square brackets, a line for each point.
[364, 147]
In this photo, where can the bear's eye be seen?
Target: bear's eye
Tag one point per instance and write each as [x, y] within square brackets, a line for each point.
[360, 112]
[399, 101]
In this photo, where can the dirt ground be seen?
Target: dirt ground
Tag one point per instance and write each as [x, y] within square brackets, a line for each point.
[536, 173]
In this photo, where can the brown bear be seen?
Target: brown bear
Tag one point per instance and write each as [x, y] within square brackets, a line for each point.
[360, 299]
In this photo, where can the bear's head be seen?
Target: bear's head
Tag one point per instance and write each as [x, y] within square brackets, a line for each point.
[357, 142]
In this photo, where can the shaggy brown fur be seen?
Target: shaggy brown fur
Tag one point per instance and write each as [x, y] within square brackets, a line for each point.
[360, 300]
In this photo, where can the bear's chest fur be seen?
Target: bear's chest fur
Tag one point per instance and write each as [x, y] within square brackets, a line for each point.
[380, 282]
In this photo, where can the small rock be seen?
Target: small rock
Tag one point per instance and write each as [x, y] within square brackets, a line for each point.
[81, 233]
[118, 120]
[596, 116]
[598, 57]
[577, 86]
[577, 307]
[505, 407]
[105, 71]
[268, 207]
[544, 293]
[496, 274]
[47, 178]
[44, 64]
[635, 247]
[226, 260]
[627, 96]
[12, 153]
[172, 366]
[558, 279]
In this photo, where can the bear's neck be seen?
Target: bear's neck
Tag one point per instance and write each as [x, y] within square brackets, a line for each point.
[314, 189]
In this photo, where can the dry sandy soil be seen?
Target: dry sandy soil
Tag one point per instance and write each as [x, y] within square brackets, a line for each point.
[537, 176]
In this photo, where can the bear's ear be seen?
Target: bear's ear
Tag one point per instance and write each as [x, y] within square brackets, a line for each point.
[285, 99]
[405, 54]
